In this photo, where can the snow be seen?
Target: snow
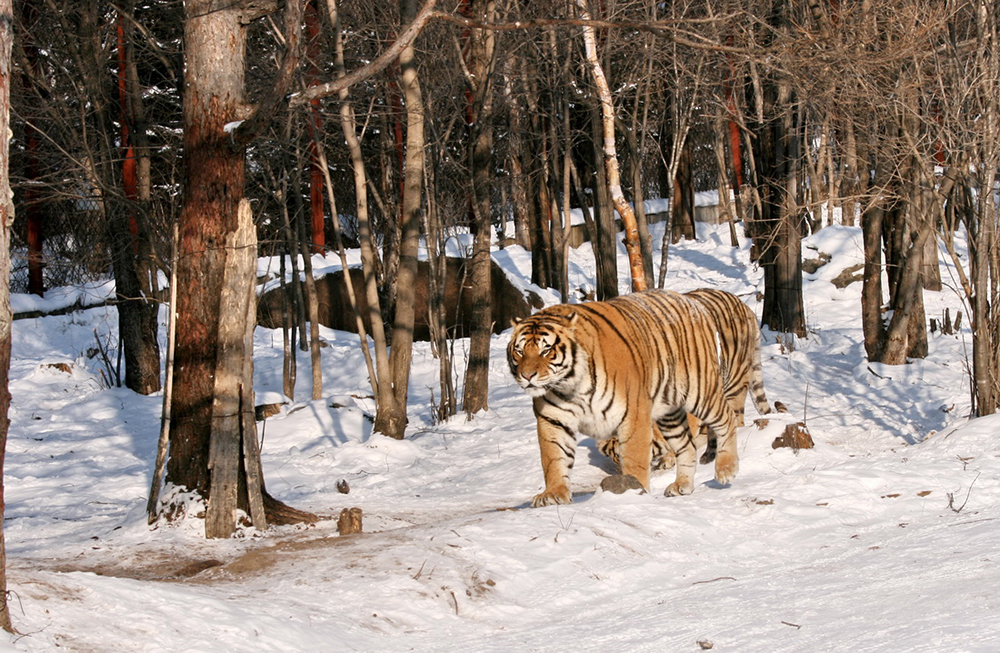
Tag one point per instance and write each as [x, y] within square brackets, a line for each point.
[84, 295]
[881, 538]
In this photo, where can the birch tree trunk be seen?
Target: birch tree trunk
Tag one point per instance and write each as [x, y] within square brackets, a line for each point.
[611, 166]
[6, 220]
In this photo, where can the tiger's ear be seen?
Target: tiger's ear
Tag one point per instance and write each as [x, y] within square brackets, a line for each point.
[514, 321]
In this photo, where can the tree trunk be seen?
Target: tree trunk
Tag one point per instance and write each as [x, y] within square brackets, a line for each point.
[606, 231]
[391, 418]
[317, 226]
[6, 219]
[515, 157]
[114, 164]
[778, 160]
[137, 311]
[312, 304]
[682, 203]
[536, 207]
[213, 178]
[213, 379]
[368, 255]
[610, 155]
[871, 289]
[436, 309]
[32, 207]
[725, 203]
[480, 65]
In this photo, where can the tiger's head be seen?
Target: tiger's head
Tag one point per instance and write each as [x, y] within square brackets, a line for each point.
[543, 351]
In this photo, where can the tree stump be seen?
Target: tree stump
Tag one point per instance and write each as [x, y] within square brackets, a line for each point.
[349, 521]
[796, 436]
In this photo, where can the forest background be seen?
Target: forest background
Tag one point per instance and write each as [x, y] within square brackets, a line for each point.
[180, 141]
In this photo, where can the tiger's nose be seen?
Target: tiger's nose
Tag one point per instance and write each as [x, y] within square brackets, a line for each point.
[527, 376]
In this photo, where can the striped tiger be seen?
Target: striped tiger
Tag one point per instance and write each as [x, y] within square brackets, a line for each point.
[739, 360]
[618, 367]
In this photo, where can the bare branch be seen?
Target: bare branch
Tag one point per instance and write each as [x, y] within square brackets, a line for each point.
[391, 53]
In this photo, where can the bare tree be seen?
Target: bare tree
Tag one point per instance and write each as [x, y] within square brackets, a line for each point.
[778, 158]
[969, 132]
[391, 418]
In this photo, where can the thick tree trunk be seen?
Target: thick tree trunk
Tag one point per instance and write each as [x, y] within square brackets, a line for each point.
[214, 42]
[985, 266]
[213, 391]
[778, 160]
[781, 254]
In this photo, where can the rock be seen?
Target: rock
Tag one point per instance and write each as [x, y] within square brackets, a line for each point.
[621, 483]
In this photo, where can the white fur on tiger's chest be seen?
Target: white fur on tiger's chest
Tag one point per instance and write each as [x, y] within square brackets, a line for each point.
[601, 427]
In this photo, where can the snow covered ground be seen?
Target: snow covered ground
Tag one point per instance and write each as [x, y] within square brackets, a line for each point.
[884, 537]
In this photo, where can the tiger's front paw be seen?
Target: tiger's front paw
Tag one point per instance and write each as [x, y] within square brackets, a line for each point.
[726, 468]
[677, 489]
[552, 497]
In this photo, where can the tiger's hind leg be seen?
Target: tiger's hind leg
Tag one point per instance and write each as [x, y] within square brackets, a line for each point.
[663, 455]
[703, 436]
[679, 437]
[722, 425]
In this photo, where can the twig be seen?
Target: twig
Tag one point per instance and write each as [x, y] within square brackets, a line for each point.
[702, 582]
[420, 571]
[951, 497]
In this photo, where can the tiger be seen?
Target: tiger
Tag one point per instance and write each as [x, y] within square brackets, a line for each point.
[739, 358]
[618, 367]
